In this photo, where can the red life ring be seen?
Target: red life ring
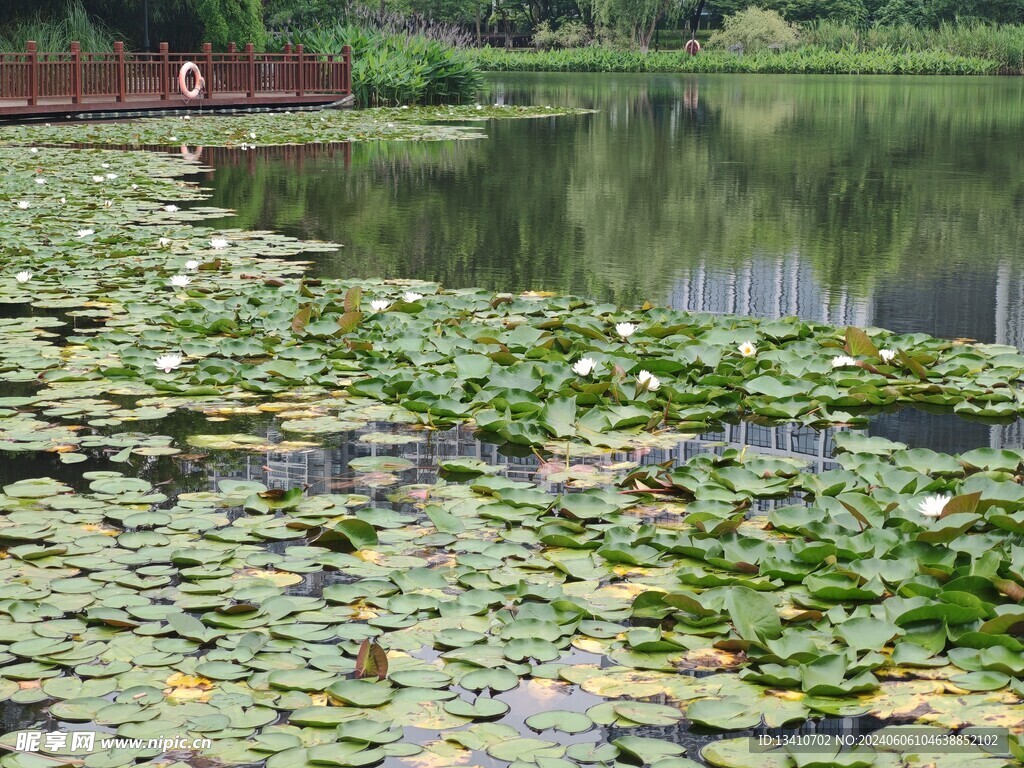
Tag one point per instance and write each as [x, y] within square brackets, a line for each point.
[692, 47]
[200, 83]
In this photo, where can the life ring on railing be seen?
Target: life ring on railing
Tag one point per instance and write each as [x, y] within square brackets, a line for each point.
[200, 83]
[692, 47]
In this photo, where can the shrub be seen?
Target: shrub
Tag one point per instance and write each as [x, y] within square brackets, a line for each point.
[572, 34]
[392, 69]
[754, 30]
[544, 37]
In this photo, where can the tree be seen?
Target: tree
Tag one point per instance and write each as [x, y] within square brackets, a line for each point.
[226, 21]
[635, 20]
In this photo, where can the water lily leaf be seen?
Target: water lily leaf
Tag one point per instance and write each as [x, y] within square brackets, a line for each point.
[560, 720]
[360, 693]
[646, 751]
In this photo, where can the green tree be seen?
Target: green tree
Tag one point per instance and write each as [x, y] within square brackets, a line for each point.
[635, 20]
[226, 21]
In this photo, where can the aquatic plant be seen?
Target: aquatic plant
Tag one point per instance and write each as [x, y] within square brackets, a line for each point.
[299, 630]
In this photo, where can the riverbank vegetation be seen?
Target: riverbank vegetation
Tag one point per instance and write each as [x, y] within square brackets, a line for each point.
[806, 60]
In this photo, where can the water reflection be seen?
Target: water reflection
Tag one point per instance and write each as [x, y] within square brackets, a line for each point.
[876, 200]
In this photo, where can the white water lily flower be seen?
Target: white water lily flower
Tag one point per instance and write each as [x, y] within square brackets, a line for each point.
[625, 330]
[887, 355]
[171, 208]
[584, 366]
[218, 243]
[23, 277]
[192, 265]
[411, 297]
[172, 138]
[108, 203]
[747, 349]
[649, 380]
[252, 135]
[932, 506]
[135, 186]
[843, 361]
[98, 179]
[379, 305]
[63, 200]
[40, 180]
[167, 363]
[104, 165]
[111, 176]
[85, 232]
[164, 242]
[180, 281]
[33, 150]
[24, 205]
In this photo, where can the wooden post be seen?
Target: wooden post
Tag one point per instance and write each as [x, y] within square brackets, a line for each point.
[208, 52]
[32, 61]
[346, 72]
[76, 73]
[232, 48]
[165, 72]
[250, 54]
[119, 53]
[300, 86]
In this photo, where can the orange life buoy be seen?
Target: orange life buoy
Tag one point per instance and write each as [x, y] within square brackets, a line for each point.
[200, 83]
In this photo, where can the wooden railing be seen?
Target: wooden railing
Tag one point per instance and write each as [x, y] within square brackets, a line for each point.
[76, 77]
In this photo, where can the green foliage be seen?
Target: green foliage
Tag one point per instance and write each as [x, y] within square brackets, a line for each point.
[55, 33]
[804, 60]
[634, 20]
[398, 69]
[226, 21]
[754, 30]
[571, 34]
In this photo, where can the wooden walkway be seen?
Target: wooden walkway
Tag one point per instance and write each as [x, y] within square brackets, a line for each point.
[42, 84]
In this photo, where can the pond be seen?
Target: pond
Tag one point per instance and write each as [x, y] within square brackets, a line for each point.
[880, 201]
[207, 544]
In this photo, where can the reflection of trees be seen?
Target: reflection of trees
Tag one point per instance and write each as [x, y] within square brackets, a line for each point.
[864, 179]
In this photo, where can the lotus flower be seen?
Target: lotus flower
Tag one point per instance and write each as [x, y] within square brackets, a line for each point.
[218, 243]
[171, 208]
[747, 349]
[24, 205]
[164, 242]
[651, 382]
[379, 305]
[843, 361]
[98, 179]
[584, 366]
[411, 297]
[625, 330]
[23, 277]
[168, 363]
[887, 355]
[180, 281]
[932, 506]
[85, 232]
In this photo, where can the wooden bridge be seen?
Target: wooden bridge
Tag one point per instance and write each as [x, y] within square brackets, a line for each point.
[44, 84]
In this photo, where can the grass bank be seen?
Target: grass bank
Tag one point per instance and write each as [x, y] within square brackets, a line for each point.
[806, 60]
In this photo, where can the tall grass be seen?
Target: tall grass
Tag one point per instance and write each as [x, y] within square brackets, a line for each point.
[395, 67]
[1001, 43]
[804, 60]
[57, 33]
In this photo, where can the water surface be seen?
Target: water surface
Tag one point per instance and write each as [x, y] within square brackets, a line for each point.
[889, 201]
